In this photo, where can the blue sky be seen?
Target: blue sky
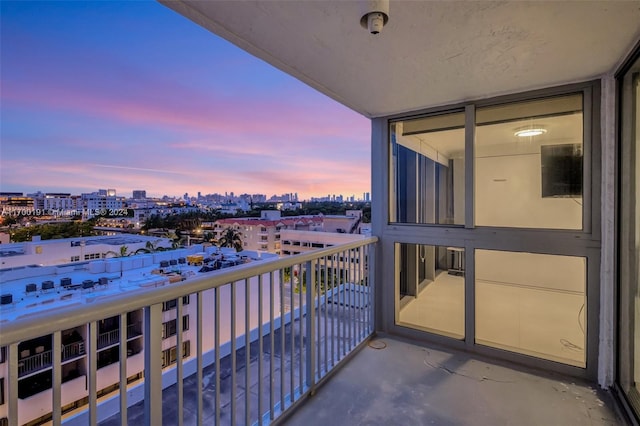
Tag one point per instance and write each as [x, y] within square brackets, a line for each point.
[131, 95]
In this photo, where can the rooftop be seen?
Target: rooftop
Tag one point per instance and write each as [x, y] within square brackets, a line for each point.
[85, 282]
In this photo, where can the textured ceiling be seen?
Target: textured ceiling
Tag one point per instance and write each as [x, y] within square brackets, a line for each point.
[431, 52]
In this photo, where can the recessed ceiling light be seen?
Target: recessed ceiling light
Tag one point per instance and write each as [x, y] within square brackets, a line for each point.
[530, 131]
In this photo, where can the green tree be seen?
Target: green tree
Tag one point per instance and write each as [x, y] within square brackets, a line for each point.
[231, 238]
[209, 237]
[123, 252]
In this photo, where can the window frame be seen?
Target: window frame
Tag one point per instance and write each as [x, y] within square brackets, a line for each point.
[581, 243]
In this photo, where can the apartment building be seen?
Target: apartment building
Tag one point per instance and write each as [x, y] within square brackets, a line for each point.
[72, 250]
[298, 241]
[14, 203]
[264, 234]
[34, 290]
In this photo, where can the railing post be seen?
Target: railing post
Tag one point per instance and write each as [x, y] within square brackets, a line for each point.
[56, 383]
[311, 325]
[93, 372]
[153, 365]
[13, 384]
[123, 370]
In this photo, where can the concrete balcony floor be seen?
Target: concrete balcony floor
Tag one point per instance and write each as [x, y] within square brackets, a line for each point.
[406, 384]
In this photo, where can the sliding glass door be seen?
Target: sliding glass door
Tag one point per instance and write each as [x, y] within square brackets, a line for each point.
[629, 238]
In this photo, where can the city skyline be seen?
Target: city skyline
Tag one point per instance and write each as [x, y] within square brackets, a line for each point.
[94, 96]
[113, 192]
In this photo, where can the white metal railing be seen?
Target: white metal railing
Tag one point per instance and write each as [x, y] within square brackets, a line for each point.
[108, 338]
[278, 326]
[42, 360]
[72, 350]
[34, 363]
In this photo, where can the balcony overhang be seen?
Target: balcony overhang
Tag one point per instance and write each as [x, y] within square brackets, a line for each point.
[429, 53]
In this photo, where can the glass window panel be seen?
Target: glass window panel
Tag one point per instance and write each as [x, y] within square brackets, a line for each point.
[534, 304]
[430, 290]
[629, 292]
[427, 170]
[529, 164]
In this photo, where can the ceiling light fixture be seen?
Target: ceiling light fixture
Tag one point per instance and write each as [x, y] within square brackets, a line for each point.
[375, 15]
[530, 131]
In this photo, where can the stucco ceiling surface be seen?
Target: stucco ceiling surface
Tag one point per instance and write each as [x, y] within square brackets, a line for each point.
[430, 53]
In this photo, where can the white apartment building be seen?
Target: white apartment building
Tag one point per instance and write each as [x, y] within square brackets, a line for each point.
[263, 234]
[71, 250]
[296, 241]
[33, 290]
[60, 203]
[97, 203]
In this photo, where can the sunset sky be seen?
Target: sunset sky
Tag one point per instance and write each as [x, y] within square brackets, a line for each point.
[131, 95]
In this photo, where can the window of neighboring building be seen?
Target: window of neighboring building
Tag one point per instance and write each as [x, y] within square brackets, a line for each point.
[170, 304]
[169, 356]
[1, 390]
[170, 328]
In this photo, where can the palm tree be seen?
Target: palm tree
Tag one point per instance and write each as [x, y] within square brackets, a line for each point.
[231, 238]
[209, 237]
[123, 252]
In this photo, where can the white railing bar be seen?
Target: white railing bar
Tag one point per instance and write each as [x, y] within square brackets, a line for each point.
[234, 384]
[247, 353]
[199, 365]
[56, 383]
[69, 316]
[272, 347]
[216, 337]
[341, 306]
[310, 326]
[371, 282]
[333, 313]
[153, 365]
[351, 295]
[282, 337]
[93, 368]
[292, 311]
[325, 309]
[13, 384]
[317, 331]
[360, 290]
[123, 370]
[179, 361]
[302, 353]
[260, 350]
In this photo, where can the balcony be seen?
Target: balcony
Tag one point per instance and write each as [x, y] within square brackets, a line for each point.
[42, 360]
[266, 335]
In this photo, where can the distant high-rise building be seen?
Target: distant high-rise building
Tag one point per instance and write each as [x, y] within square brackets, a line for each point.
[139, 194]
